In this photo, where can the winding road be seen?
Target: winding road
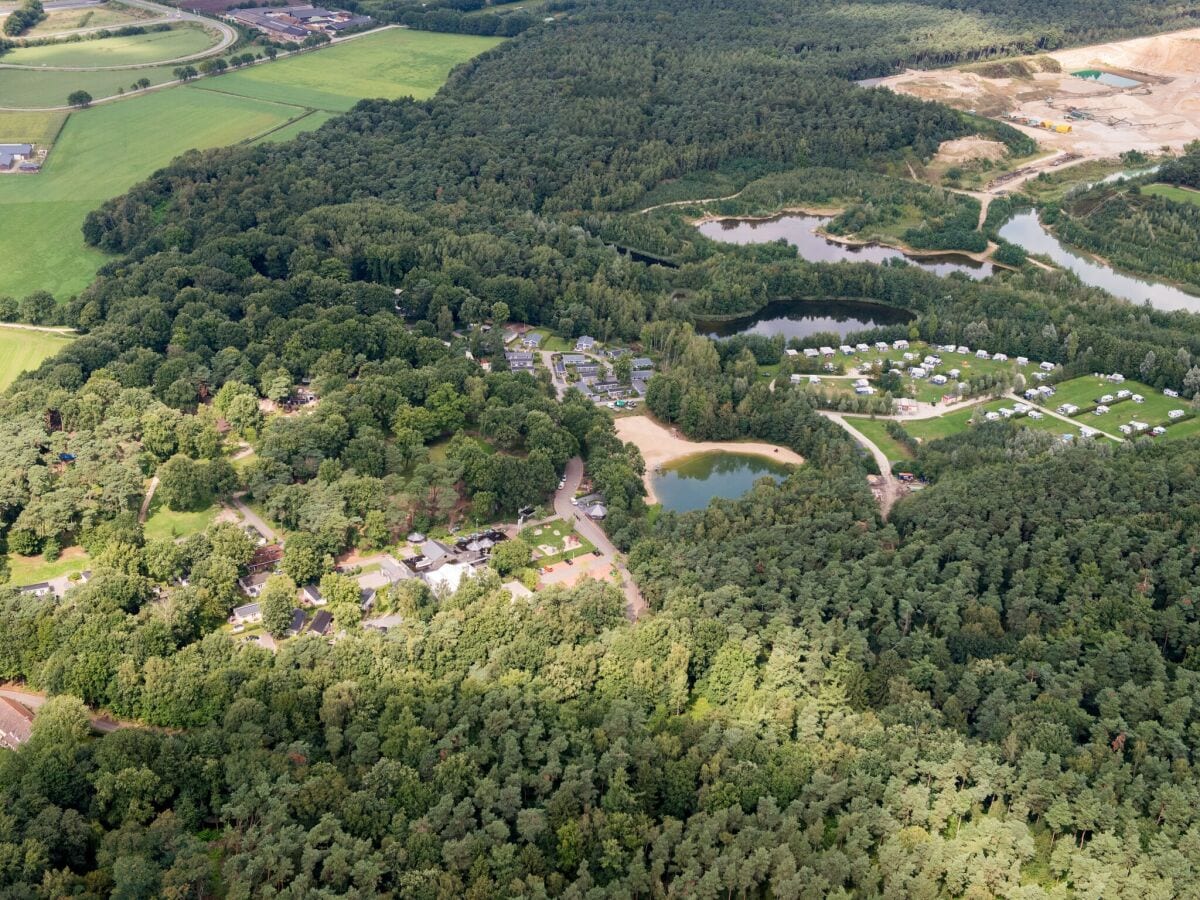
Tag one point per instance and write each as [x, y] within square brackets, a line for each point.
[635, 604]
[890, 489]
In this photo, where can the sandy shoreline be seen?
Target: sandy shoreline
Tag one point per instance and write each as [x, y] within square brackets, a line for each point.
[660, 445]
[785, 211]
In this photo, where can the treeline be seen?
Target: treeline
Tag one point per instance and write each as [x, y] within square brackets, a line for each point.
[24, 17]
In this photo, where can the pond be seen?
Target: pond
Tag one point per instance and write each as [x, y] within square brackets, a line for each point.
[1025, 230]
[1109, 78]
[801, 232]
[691, 483]
[801, 319]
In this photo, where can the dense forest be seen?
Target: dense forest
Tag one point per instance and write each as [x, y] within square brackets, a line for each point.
[994, 692]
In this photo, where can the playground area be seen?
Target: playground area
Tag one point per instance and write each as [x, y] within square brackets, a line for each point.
[1140, 94]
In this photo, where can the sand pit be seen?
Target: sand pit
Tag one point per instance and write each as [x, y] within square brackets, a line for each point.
[969, 148]
[1160, 109]
[660, 445]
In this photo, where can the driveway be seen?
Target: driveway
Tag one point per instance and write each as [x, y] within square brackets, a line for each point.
[635, 604]
[253, 518]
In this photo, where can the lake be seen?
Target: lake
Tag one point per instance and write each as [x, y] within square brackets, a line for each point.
[1025, 230]
[801, 232]
[804, 318]
[691, 483]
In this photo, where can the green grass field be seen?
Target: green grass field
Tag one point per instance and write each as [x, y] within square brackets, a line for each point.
[876, 431]
[32, 569]
[305, 123]
[926, 430]
[104, 150]
[22, 349]
[1179, 195]
[27, 88]
[95, 159]
[390, 64]
[138, 49]
[1086, 390]
[31, 127]
[165, 525]
[111, 15]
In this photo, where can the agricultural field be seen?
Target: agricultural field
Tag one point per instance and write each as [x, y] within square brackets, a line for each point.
[132, 50]
[309, 122]
[389, 64]
[32, 88]
[20, 127]
[94, 159]
[1178, 194]
[22, 349]
[110, 15]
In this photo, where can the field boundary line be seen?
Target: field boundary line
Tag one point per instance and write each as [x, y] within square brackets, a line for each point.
[258, 137]
[212, 90]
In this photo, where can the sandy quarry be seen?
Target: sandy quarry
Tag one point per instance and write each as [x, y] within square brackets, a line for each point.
[1163, 110]
[661, 445]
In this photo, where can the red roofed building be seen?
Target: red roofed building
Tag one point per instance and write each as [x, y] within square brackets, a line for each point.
[16, 723]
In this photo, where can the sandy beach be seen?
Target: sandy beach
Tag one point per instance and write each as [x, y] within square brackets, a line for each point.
[660, 445]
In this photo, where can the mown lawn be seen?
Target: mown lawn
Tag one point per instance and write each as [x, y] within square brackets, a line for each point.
[165, 524]
[32, 569]
[109, 15]
[22, 350]
[390, 64]
[137, 49]
[875, 430]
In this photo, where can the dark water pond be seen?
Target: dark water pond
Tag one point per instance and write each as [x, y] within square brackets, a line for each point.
[691, 483]
[801, 319]
[800, 232]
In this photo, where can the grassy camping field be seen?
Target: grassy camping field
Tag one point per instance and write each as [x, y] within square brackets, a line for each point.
[101, 152]
[137, 49]
[876, 431]
[390, 64]
[22, 349]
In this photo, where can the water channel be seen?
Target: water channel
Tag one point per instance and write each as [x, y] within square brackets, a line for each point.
[801, 232]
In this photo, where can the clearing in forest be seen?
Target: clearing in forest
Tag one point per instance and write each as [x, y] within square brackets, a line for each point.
[1139, 94]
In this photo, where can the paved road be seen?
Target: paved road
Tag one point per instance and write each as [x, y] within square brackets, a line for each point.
[635, 604]
[890, 488]
[560, 385]
[35, 700]
[254, 519]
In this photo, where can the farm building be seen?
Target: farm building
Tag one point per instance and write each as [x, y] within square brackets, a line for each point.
[295, 23]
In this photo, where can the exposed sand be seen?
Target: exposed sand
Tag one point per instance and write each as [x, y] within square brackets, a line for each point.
[1162, 111]
[661, 445]
[968, 148]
